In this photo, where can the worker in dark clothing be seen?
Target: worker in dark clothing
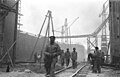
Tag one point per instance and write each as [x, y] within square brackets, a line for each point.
[52, 51]
[62, 58]
[91, 60]
[97, 64]
[67, 57]
[74, 58]
[102, 58]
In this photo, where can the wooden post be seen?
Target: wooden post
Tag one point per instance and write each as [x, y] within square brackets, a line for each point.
[15, 34]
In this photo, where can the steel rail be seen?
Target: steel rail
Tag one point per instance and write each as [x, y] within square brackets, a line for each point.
[64, 69]
[78, 70]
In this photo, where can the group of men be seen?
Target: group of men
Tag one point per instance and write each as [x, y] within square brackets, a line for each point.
[66, 56]
[51, 53]
[96, 59]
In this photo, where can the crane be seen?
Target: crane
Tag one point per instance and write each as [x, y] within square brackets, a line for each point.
[66, 29]
[93, 35]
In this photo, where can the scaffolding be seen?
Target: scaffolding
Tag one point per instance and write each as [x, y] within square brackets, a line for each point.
[4, 11]
[104, 38]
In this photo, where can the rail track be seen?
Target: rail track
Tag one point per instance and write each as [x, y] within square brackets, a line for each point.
[79, 70]
[70, 72]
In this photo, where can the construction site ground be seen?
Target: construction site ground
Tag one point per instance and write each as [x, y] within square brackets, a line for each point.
[105, 72]
[25, 70]
[33, 70]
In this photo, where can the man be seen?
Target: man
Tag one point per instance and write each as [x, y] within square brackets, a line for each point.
[51, 53]
[62, 58]
[102, 58]
[91, 60]
[97, 60]
[74, 58]
[67, 57]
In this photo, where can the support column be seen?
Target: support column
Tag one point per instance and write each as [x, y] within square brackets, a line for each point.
[15, 34]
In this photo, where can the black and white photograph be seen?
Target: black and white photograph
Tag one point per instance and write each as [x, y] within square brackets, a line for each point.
[59, 38]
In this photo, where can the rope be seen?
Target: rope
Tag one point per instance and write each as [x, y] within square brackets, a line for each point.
[47, 30]
[52, 25]
[38, 37]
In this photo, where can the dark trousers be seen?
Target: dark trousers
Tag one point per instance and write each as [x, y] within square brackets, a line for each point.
[102, 61]
[93, 65]
[97, 66]
[62, 62]
[74, 64]
[53, 67]
[50, 65]
[67, 62]
[47, 65]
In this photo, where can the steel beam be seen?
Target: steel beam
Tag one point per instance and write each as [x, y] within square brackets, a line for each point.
[75, 36]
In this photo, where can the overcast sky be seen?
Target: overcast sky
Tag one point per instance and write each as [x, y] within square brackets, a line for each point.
[88, 11]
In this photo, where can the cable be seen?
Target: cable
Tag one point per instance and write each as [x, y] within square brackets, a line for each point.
[38, 37]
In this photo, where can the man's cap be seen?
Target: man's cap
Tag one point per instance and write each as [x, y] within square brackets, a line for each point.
[52, 37]
[96, 48]
[74, 48]
[67, 48]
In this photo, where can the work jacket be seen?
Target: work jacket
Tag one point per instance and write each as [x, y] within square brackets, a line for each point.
[52, 51]
[67, 55]
[74, 55]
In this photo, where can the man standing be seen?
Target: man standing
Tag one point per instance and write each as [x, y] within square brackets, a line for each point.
[67, 57]
[62, 58]
[91, 60]
[51, 53]
[97, 60]
[102, 58]
[74, 58]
